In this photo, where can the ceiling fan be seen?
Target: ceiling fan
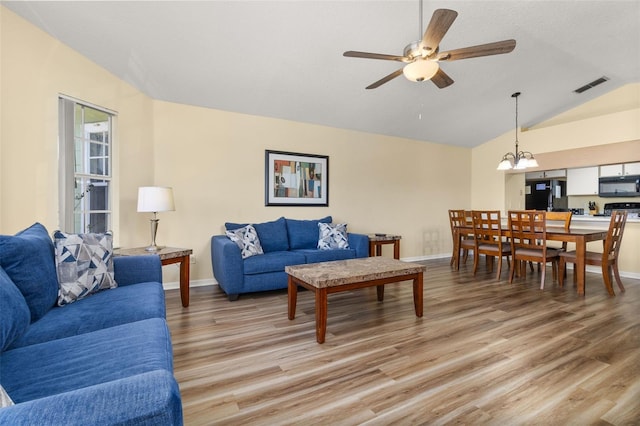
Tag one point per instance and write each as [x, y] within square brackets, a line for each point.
[423, 56]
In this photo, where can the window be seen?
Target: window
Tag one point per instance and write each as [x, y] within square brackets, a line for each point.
[85, 167]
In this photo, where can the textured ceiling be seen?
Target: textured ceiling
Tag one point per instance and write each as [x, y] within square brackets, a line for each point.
[284, 59]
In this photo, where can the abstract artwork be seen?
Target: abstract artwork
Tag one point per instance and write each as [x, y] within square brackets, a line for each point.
[293, 179]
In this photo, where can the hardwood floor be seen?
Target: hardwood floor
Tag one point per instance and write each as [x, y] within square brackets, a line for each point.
[485, 352]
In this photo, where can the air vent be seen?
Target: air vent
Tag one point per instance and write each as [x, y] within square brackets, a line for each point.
[594, 83]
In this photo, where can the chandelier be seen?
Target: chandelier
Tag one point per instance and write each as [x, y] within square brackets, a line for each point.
[521, 159]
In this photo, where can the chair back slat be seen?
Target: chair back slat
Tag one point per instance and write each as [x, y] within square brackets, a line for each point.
[560, 218]
[486, 226]
[528, 229]
[614, 235]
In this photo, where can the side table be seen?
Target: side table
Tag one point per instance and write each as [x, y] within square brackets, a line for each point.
[376, 241]
[168, 256]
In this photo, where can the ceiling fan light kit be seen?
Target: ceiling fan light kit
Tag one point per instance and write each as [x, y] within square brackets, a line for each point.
[420, 70]
[423, 56]
[518, 160]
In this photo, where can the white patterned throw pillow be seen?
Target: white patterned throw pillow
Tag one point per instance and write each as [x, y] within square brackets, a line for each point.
[332, 236]
[247, 239]
[84, 263]
[5, 400]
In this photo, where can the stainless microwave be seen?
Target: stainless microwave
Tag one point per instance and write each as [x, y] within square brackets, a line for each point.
[619, 186]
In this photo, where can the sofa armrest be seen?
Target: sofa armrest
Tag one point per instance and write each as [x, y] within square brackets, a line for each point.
[151, 398]
[227, 264]
[360, 243]
[137, 269]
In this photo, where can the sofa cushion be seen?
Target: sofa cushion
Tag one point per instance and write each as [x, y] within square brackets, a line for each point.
[87, 359]
[28, 259]
[102, 310]
[14, 312]
[246, 238]
[84, 263]
[332, 237]
[303, 234]
[272, 235]
[315, 256]
[272, 262]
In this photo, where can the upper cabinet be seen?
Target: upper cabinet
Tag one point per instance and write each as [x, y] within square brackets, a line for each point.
[620, 169]
[547, 174]
[582, 181]
[555, 173]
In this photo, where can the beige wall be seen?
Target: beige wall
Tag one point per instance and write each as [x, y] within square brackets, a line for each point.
[35, 69]
[215, 162]
[213, 159]
[573, 132]
[619, 121]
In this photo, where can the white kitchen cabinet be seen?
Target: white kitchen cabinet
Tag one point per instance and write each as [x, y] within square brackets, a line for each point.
[555, 173]
[534, 175]
[547, 174]
[611, 170]
[582, 181]
[620, 169]
[632, 169]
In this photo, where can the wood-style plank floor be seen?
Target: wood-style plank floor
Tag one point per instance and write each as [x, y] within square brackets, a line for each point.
[485, 352]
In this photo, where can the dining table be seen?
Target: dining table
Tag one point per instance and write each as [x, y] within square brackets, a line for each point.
[579, 236]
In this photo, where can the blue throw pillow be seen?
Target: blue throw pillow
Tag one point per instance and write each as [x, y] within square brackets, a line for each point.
[273, 235]
[230, 226]
[303, 234]
[28, 259]
[14, 312]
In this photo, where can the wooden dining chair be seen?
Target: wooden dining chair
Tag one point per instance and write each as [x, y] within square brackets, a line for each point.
[462, 240]
[559, 219]
[528, 231]
[608, 259]
[488, 239]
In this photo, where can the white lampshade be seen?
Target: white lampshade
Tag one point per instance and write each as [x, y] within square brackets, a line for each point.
[532, 162]
[505, 164]
[420, 69]
[155, 199]
[523, 163]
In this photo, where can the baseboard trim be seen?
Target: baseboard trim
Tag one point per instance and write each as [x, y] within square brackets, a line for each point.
[212, 281]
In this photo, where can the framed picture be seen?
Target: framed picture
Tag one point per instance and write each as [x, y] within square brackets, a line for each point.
[293, 179]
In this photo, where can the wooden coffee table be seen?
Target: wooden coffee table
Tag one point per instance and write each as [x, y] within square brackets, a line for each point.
[344, 275]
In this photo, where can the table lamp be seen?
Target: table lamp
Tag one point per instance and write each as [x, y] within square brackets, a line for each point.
[155, 199]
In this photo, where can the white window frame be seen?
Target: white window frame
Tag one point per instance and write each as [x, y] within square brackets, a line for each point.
[68, 175]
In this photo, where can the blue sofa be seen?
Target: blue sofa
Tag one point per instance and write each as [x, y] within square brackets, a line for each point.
[101, 360]
[285, 242]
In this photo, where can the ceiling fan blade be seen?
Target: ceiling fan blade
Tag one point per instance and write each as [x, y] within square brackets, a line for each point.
[496, 48]
[440, 22]
[441, 79]
[385, 79]
[367, 55]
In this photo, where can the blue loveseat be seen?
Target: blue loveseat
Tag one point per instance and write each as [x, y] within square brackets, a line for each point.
[285, 242]
[101, 360]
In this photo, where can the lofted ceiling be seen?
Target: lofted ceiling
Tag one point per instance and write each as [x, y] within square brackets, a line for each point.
[283, 59]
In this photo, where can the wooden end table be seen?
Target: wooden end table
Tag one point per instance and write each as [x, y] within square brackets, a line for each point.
[168, 256]
[343, 275]
[376, 241]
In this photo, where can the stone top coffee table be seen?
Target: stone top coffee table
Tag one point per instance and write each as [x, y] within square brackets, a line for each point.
[344, 275]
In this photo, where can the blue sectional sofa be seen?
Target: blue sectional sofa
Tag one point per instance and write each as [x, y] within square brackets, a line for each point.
[285, 242]
[103, 359]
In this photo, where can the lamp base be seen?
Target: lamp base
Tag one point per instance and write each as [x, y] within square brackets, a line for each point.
[154, 248]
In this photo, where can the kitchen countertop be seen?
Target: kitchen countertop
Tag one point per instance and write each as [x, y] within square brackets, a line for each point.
[607, 219]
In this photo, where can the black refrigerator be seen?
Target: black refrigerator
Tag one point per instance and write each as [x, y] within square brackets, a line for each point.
[546, 194]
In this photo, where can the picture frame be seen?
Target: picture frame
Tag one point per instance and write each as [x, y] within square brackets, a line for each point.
[296, 179]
